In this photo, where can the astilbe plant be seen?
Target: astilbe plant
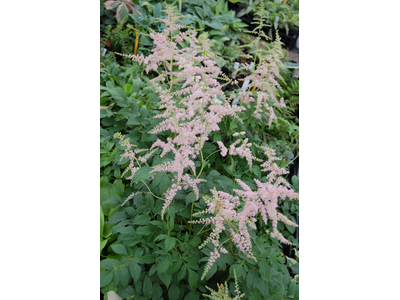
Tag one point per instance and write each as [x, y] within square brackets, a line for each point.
[192, 105]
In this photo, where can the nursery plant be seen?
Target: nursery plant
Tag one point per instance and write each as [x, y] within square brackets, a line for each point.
[214, 17]
[202, 199]
[281, 15]
[122, 8]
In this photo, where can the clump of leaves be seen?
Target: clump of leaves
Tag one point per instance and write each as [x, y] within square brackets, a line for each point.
[124, 7]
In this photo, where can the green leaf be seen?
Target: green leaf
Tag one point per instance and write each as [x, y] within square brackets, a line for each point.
[265, 270]
[238, 270]
[142, 174]
[277, 293]
[225, 182]
[123, 276]
[192, 263]
[169, 243]
[157, 10]
[126, 292]
[295, 268]
[215, 24]
[146, 259]
[165, 278]
[192, 296]
[295, 181]
[165, 184]
[144, 230]
[200, 12]
[157, 291]
[193, 278]
[256, 171]
[175, 266]
[105, 278]
[135, 271]
[117, 173]
[103, 244]
[189, 198]
[250, 278]
[160, 237]
[147, 287]
[119, 249]
[118, 187]
[233, 125]
[109, 263]
[136, 85]
[182, 273]
[173, 292]
[101, 222]
[163, 266]
[291, 290]
[141, 220]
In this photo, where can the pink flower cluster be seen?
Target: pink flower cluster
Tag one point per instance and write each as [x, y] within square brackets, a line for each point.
[192, 100]
[263, 79]
[238, 213]
[132, 155]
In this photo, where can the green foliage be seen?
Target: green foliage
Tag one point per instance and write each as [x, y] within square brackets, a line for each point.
[214, 17]
[281, 16]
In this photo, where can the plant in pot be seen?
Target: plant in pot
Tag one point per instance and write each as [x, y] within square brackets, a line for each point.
[284, 18]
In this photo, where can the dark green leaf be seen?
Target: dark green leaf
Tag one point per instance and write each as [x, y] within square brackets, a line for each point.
[166, 278]
[295, 268]
[173, 292]
[189, 198]
[118, 187]
[126, 230]
[163, 265]
[175, 266]
[123, 276]
[200, 12]
[101, 221]
[165, 184]
[136, 85]
[295, 181]
[161, 236]
[192, 263]
[182, 273]
[157, 10]
[262, 286]
[291, 290]
[117, 217]
[169, 243]
[193, 278]
[109, 263]
[142, 174]
[144, 230]
[265, 270]
[250, 278]
[192, 296]
[105, 278]
[238, 270]
[157, 291]
[141, 220]
[277, 293]
[135, 270]
[147, 287]
[119, 249]
[147, 259]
